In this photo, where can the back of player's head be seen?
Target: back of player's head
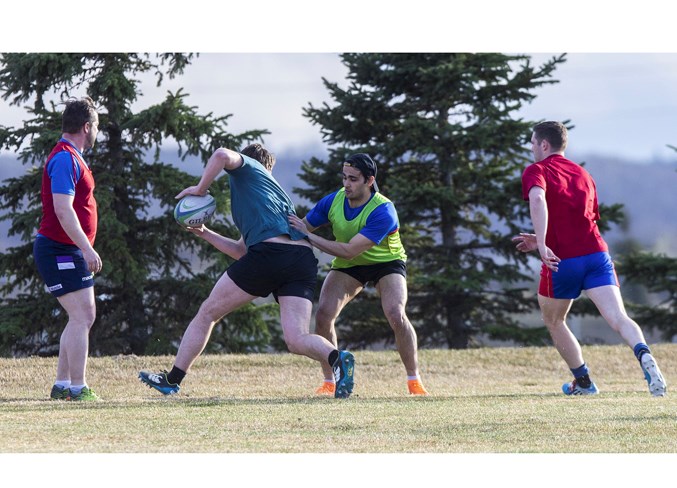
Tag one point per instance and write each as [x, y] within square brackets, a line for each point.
[553, 132]
[77, 113]
[261, 154]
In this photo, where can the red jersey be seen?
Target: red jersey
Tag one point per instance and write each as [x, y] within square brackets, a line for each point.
[573, 211]
[84, 203]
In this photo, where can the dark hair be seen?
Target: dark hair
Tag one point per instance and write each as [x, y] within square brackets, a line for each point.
[261, 154]
[77, 113]
[553, 132]
[366, 166]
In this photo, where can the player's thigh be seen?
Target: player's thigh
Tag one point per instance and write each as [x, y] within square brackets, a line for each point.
[393, 291]
[554, 310]
[295, 315]
[608, 301]
[80, 305]
[225, 297]
[337, 290]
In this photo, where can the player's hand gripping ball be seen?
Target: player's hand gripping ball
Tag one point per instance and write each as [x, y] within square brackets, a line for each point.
[193, 210]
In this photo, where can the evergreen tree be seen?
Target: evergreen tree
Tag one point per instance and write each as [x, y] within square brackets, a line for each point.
[450, 153]
[155, 274]
[658, 273]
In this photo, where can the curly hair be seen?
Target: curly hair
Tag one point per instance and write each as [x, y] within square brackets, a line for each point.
[77, 113]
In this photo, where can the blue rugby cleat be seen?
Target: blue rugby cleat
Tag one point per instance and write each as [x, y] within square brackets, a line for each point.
[159, 382]
[575, 389]
[343, 374]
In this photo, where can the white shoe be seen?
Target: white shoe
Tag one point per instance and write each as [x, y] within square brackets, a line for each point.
[654, 378]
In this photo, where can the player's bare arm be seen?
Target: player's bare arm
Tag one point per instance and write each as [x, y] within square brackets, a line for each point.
[231, 247]
[539, 217]
[345, 250]
[63, 208]
[301, 225]
[220, 160]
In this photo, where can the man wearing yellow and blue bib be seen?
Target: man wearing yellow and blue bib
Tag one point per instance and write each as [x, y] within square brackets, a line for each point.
[367, 249]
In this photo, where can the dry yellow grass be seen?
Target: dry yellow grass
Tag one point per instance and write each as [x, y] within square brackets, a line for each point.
[498, 400]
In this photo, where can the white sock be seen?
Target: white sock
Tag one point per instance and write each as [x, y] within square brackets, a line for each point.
[330, 381]
[417, 377]
[63, 383]
[76, 389]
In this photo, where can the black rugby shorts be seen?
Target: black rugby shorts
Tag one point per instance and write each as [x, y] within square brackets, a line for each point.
[280, 269]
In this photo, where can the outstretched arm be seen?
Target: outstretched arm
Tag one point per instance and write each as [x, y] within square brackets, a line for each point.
[345, 250]
[231, 247]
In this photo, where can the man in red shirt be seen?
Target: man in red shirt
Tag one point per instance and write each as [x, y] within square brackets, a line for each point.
[563, 205]
[63, 249]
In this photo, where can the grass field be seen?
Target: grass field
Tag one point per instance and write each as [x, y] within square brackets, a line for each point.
[498, 400]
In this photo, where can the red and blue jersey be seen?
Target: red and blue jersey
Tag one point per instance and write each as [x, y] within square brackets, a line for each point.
[571, 197]
[66, 172]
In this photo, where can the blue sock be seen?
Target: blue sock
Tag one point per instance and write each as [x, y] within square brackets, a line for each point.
[582, 375]
[582, 370]
[640, 350]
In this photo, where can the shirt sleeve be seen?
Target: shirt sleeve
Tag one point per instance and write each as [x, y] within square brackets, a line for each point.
[63, 173]
[319, 214]
[532, 176]
[381, 222]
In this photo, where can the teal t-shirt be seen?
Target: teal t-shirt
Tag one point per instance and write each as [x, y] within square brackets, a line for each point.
[259, 205]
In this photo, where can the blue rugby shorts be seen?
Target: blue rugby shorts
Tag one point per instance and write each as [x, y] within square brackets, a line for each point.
[62, 266]
[577, 274]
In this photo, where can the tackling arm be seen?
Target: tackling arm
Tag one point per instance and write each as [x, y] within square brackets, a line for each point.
[345, 250]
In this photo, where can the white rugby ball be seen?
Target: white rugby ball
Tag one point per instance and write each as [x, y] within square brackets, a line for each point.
[193, 210]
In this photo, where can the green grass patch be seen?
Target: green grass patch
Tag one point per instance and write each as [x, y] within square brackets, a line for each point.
[488, 400]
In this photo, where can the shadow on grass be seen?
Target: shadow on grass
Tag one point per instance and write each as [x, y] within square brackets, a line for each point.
[184, 401]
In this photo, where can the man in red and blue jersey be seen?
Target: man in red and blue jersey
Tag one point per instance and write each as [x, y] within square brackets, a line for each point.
[63, 249]
[564, 211]
[367, 249]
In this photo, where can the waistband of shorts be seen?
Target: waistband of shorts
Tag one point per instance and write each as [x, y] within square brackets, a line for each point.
[47, 241]
[279, 246]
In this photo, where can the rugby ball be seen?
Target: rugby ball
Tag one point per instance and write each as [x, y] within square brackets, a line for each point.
[193, 210]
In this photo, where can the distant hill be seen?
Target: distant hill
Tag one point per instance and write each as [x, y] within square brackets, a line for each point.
[649, 195]
[647, 191]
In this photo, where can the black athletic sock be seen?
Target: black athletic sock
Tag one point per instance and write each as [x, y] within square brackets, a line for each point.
[584, 381]
[175, 376]
[333, 357]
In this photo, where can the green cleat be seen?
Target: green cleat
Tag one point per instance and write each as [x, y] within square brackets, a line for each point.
[85, 395]
[59, 393]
